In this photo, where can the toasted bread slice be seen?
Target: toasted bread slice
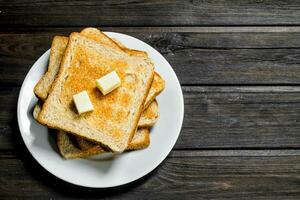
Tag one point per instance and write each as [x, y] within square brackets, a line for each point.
[83, 148]
[148, 118]
[59, 43]
[158, 83]
[58, 47]
[86, 145]
[37, 109]
[69, 149]
[102, 38]
[140, 140]
[150, 115]
[157, 86]
[115, 117]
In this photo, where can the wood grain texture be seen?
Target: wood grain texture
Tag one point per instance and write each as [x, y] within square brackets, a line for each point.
[243, 117]
[239, 66]
[192, 174]
[215, 117]
[147, 13]
[216, 57]
[9, 129]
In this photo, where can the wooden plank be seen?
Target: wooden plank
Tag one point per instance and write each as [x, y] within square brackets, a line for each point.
[214, 57]
[9, 130]
[241, 117]
[148, 13]
[215, 117]
[184, 174]
[157, 29]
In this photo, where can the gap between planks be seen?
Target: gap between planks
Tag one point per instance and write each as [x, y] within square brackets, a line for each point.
[208, 153]
[157, 29]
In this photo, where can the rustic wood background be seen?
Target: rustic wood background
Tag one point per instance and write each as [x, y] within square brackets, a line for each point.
[239, 66]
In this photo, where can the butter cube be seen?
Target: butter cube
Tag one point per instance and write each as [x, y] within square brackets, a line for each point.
[108, 83]
[82, 102]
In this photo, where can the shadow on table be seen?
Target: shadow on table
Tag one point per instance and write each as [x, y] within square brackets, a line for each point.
[59, 186]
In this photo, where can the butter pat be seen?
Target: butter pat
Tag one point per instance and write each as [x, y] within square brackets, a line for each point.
[108, 83]
[83, 102]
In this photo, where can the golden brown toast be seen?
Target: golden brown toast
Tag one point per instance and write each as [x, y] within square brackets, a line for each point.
[157, 86]
[69, 149]
[158, 83]
[57, 51]
[58, 47]
[148, 117]
[150, 114]
[115, 117]
[102, 38]
[72, 147]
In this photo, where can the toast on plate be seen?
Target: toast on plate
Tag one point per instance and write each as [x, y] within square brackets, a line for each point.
[158, 83]
[69, 149]
[115, 117]
[58, 46]
[148, 117]
[83, 148]
[139, 141]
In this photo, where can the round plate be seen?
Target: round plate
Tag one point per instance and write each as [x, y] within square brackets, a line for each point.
[114, 170]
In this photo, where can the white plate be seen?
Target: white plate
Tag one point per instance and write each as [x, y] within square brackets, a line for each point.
[117, 169]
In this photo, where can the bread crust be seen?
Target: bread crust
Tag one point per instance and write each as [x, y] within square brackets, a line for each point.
[144, 144]
[64, 143]
[114, 147]
[141, 107]
[116, 44]
[40, 91]
[155, 91]
[149, 115]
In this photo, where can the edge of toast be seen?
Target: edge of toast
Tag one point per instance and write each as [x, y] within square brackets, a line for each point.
[114, 147]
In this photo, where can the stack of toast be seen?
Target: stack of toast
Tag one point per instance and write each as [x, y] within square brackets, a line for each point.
[121, 120]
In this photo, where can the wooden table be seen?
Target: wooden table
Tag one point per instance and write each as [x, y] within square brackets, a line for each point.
[239, 66]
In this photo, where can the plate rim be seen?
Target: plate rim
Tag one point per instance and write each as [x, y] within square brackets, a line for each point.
[95, 186]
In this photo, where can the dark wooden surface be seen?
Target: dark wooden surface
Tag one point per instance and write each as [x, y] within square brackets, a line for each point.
[239, 66]
[148, 13]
